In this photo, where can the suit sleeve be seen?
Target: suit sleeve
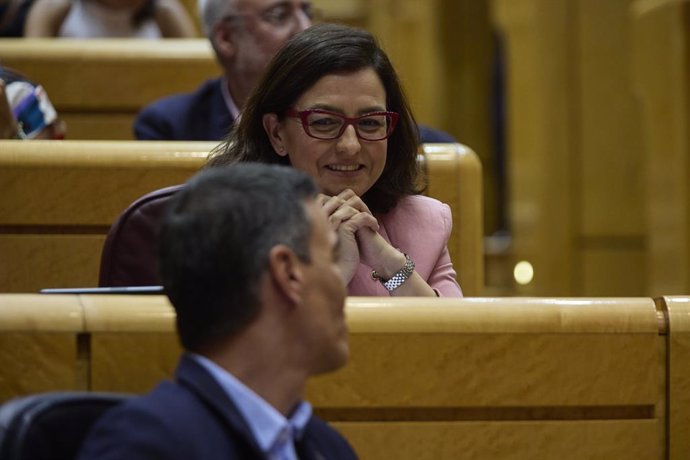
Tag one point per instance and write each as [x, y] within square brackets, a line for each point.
[117, 436]
[429, 136]
[152, 125]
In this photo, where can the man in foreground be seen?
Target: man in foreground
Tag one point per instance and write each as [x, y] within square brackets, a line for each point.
[249, 262]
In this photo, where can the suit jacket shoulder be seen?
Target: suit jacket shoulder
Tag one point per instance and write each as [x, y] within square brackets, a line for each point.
[191, 418]
[429, 136]
[198, 116]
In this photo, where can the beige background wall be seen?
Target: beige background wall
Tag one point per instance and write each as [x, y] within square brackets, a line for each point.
[597, 138]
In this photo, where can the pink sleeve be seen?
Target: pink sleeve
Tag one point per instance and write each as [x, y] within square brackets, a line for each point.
[420, 226]
[443, 278]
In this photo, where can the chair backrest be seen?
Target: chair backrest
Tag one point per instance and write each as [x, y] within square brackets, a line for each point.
[50, 426]
[129, 253]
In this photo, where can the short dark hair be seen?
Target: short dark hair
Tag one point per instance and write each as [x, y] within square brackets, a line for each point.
[215, 239]
[321, 50]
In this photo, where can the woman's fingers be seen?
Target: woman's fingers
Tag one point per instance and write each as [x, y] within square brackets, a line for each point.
[343, 199]
[349, 257]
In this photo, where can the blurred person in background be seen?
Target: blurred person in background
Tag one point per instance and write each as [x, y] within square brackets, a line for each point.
[25, 110]
[12, 17]
[244, 34]
[109, 19]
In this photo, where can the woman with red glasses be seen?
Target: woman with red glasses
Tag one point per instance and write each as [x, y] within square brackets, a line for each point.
[330, 104]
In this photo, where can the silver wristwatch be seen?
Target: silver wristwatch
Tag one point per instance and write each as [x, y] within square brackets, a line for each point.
[399, 278]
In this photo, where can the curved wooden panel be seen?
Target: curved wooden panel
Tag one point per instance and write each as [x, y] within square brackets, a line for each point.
[455, 177]
[678, 375]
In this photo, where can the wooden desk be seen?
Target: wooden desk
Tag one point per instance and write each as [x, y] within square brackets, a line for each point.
[498, 378]
[60, 198]
[99, 85]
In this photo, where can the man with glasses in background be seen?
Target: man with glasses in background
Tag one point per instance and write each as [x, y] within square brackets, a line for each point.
[245, 34]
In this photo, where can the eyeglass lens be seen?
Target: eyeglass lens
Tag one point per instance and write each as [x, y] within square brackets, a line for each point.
[331, 126]
[283, 13]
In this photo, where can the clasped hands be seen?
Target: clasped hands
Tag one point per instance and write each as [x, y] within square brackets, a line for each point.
[360, 241]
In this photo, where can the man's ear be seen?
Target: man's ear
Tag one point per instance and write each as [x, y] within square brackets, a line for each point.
[273, 128]
[287, 272]
[223, 41]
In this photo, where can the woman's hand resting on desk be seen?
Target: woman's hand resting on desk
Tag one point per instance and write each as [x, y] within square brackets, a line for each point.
[360, 241]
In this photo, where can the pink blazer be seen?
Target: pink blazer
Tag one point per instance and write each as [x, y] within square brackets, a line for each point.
[420, 227]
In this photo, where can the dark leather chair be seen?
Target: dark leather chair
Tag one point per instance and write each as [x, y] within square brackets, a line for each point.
[50, 426]
[129, 256]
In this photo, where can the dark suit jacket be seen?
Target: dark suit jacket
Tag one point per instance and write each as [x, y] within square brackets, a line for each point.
[198, 116]
[204, 116]
[192, 418]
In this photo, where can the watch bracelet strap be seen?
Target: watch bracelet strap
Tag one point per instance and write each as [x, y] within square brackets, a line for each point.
[399, 278]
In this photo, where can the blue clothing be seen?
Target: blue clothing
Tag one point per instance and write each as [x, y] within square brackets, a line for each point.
[432, 136]
[204, 116]
[199, 116]
[192, 418]
[273, 432]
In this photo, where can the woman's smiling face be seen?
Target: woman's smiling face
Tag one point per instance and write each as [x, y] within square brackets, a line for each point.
[345, 162]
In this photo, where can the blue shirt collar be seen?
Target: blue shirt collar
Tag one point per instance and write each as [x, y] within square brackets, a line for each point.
[271, 430]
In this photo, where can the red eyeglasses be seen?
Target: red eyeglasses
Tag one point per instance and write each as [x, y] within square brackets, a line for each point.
[325, 125]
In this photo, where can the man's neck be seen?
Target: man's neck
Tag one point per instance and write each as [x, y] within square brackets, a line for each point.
[230, 103]
[264, 369]
[237, 90]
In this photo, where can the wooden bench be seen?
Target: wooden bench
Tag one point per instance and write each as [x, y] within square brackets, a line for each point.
[60, 198]
[499, 378]
[98, 86]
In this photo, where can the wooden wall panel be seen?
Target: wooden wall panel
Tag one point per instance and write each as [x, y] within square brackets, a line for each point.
[540, 143]
[39, 345]
[49, 260]
[659, 60]
[506, 440]
[609, 149]
[577, 198]
[613, 271]
[99, 126]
